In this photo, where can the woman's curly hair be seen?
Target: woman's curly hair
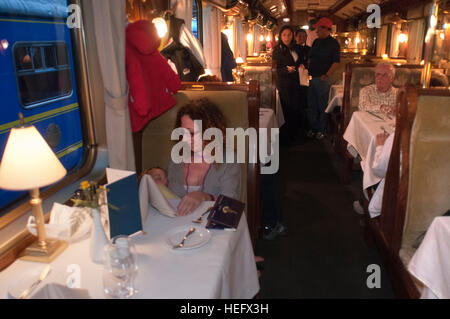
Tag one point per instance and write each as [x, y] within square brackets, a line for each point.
[205, 110]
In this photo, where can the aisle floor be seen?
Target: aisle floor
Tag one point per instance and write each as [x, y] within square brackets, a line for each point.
[323, 254]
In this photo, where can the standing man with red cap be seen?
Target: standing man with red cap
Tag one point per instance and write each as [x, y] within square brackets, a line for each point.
[324, 58]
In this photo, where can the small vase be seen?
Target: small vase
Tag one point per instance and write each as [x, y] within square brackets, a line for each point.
[98, 237]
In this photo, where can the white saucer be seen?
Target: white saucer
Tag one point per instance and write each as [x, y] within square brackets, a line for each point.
[197, 239]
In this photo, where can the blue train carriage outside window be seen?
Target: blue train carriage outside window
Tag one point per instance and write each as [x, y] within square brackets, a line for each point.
[37, 78]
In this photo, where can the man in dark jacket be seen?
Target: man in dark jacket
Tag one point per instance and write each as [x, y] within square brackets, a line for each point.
[324, 58]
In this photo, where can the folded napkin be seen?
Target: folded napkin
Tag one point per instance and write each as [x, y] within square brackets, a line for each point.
[158, 196]
[57, 291]
[66, 223]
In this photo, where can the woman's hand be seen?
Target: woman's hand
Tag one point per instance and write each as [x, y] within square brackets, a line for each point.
[191, 201]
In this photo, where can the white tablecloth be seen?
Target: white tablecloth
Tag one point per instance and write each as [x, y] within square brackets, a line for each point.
[335, 98]
[431, 262]
[360, 134]
[279, 110]
[223, 268]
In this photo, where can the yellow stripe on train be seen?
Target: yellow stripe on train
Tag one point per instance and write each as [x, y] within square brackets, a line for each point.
[31, 21]
[39, 117]
[69, 149]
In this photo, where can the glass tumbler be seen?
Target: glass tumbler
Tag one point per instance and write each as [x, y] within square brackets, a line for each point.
[119, 268]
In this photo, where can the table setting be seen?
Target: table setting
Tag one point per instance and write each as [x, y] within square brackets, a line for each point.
[171, 258]
[361, 135]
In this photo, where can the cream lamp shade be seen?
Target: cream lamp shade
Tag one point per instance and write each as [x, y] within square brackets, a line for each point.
[28, 161]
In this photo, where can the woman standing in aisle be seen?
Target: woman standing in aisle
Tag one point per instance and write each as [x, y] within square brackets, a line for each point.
[287, 62]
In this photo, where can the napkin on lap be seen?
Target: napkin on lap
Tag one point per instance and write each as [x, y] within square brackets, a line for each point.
[57, 291]
[66, 223]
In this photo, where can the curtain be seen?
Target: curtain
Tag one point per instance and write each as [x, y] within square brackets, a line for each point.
[382, 39]
[416, 33]
[183, 10]
[394, 49]
[239, 38]
[110, 36]
[257, 43]
[211, 38]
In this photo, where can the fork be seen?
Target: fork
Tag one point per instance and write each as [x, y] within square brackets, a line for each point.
[184, 238]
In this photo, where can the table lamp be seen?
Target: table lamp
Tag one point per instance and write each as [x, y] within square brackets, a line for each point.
[28, 163]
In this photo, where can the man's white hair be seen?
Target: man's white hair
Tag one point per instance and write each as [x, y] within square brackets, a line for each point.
[388, 65]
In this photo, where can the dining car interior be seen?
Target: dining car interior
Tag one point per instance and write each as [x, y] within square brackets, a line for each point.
[225, 149]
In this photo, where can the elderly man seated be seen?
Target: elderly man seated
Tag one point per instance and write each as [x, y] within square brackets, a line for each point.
[380, 96]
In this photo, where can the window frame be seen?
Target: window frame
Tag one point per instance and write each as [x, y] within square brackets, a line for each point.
[56, 68]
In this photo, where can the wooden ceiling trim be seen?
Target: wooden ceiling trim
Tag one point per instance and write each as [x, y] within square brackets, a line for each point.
[338, 6]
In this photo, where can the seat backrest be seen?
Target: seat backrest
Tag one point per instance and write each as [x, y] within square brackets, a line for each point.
[417, 181]
[262, 74]
[359, 75]
[240, 105]
[429, 167]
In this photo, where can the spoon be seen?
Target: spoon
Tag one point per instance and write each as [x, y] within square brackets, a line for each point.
[199, 220]
[184, 238]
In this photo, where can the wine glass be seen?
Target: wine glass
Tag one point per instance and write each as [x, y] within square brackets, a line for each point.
[119, 268]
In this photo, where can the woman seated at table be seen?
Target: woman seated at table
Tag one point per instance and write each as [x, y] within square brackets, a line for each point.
[197, 182]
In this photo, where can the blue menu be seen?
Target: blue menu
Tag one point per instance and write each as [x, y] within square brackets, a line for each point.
[123, 197]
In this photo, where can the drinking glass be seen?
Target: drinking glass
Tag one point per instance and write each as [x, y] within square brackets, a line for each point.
[119, 268]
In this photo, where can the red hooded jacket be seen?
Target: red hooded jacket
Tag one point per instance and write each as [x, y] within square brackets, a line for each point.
[151, 80]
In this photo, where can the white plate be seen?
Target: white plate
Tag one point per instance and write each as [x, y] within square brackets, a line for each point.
[197, 239]
[18, 285]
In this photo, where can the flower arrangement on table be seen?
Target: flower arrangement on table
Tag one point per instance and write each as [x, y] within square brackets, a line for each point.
[90, 195]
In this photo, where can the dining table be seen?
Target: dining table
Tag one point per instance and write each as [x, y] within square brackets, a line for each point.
[430, 263]
[361, 135]
[221, 267]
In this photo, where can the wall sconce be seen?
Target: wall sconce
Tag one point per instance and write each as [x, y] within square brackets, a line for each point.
[402, 38]
[249, 37]
[28, 163]
[384, 56]
[161, 26]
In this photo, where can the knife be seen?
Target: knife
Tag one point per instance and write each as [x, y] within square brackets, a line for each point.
[42, 276]
[371, 113]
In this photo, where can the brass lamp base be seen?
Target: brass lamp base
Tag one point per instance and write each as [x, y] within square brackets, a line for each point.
[34, 252]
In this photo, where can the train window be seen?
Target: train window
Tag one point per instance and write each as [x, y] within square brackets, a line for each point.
[194, 19]
[43, 72]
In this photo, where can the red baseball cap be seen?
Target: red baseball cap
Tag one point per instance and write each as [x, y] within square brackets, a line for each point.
[324, 22]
